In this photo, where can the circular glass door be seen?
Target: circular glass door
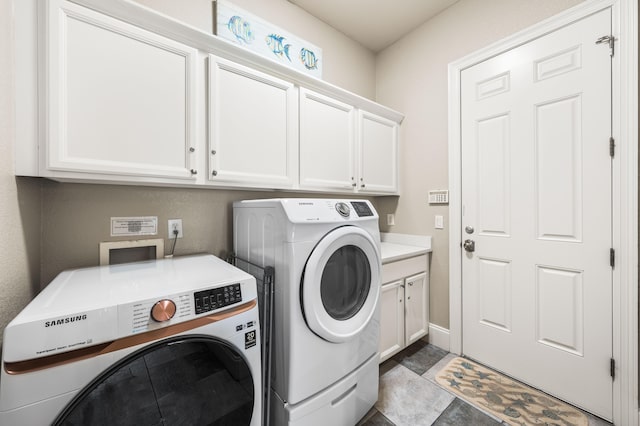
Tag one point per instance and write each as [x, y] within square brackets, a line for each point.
[195, 380]
[341, 284]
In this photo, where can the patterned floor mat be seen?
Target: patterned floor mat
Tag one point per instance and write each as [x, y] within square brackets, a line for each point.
[510, 401]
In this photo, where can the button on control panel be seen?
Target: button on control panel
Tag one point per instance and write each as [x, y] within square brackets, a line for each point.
[216, 298]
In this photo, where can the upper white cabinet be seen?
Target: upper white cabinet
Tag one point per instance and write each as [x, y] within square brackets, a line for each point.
[378, 150]
[121, 94]
[252, 127]
[346, 149]
[119, 100]
[327, 143]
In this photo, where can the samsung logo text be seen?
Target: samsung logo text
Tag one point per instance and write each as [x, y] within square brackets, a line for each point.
[66, 320]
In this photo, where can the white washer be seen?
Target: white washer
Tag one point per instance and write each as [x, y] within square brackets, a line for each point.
[171, 341]
[326, 255]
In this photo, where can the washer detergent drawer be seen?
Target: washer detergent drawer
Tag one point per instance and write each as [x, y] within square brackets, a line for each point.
[344, 403]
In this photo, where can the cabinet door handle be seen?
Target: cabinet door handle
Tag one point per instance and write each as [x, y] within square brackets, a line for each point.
[194, 172]
[410, 282]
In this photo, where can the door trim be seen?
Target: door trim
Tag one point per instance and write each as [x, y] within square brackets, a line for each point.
[625, 191]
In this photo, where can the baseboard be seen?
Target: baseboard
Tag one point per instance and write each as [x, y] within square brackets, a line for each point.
[439, 336]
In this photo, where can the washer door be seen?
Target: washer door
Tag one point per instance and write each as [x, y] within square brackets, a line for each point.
[194, 380]
[341, 284]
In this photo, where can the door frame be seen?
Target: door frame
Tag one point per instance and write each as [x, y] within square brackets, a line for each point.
[625, 190]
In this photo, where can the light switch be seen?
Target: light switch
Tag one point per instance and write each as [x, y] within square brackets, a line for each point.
[391, 219]
[439, 222]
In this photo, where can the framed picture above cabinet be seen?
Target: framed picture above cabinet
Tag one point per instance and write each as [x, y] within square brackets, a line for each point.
[246, 29]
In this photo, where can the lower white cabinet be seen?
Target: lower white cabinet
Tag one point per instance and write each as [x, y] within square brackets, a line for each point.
[404, 304]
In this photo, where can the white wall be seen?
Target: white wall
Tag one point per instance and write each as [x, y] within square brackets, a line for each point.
[19, 197]
[411, 77]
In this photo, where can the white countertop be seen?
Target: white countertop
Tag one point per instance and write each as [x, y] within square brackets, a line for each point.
[402, 246]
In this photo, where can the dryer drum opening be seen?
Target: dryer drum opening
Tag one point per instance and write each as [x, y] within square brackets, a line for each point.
[345, 282]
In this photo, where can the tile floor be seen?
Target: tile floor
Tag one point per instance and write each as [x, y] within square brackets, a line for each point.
[409, 395]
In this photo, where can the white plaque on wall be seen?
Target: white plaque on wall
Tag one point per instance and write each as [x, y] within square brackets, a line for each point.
[127, 226]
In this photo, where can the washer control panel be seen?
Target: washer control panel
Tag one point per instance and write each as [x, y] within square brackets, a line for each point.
[362, 208]
[150, 314]
[216, 298]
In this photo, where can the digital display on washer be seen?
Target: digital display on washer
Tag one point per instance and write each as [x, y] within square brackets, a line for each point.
[216, 298]
[361, 208]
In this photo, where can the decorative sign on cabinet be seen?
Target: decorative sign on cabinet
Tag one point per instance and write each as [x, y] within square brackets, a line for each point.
[122, 94]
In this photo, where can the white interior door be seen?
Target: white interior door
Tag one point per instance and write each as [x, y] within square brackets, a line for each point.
[536, 189]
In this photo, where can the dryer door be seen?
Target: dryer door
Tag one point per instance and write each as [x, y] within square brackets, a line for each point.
[341, 284]
[192, 380]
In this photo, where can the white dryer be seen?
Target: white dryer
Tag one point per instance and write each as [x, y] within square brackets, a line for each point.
[171, 341]
[326, 255]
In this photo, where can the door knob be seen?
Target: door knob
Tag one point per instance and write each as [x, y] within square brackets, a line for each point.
[469, 245]
[469, 229]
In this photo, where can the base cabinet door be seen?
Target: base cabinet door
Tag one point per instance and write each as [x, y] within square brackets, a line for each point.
[252, 127]
[404, 304]
[416, 307]
[119, 100]
[392, 310]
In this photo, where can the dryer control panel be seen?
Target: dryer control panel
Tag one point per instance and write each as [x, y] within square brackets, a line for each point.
[216, 298]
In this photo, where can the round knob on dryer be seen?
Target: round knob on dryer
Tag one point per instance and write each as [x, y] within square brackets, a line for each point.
[163, 310]
[343, 209]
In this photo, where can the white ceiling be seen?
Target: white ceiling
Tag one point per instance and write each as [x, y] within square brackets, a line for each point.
[375, 24]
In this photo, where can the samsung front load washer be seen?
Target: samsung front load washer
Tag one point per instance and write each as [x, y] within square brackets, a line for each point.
[326, 255]
[171, 341]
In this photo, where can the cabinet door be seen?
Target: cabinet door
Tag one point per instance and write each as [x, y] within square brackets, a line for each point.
[327, 143]
[391, 319]
[252, 127]
[416, 307]
[119, 100]
[378, 145]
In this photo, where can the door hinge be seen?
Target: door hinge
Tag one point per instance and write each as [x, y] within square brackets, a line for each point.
[612, 257]
[612, 368]
[612, 147]
[610, 40]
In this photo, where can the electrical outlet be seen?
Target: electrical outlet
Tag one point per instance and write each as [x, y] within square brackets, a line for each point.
[391, 219]
[174, 225]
